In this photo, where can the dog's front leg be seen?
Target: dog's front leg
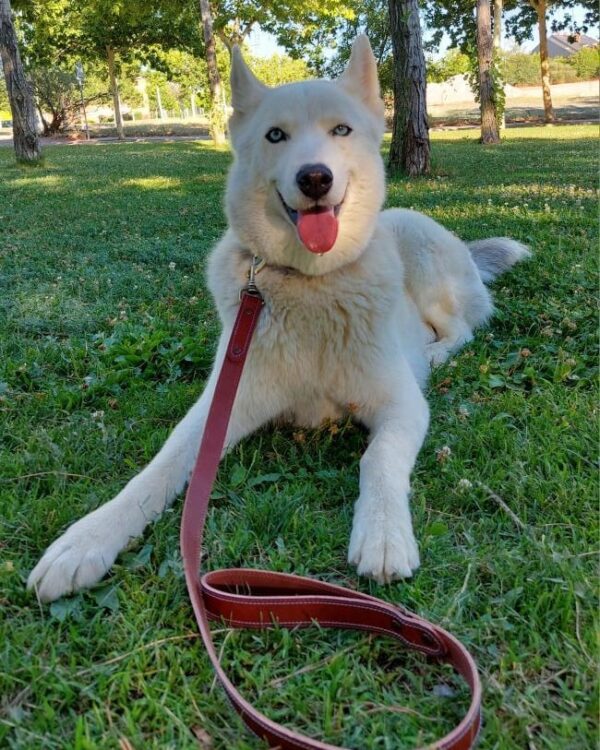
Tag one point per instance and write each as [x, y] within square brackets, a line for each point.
[84, 553]
[382, 544]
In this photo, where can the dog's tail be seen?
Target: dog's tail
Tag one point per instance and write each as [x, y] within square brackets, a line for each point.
[496, 255]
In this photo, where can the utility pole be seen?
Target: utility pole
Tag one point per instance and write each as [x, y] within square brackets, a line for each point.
[80, 75]
[161, 112]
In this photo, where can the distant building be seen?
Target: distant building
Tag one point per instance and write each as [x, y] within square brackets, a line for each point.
[560, 46]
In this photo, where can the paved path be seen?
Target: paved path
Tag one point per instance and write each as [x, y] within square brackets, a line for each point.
[6, 139]
[585, 113]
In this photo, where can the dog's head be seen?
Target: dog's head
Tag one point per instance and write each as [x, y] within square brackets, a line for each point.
[308, 182]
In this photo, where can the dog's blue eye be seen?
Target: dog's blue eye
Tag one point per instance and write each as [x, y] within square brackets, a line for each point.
[341, 130]
[275, 135]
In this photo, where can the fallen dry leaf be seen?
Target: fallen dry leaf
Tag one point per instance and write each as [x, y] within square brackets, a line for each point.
[203, 737]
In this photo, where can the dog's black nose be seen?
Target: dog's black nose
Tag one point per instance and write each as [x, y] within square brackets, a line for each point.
[315, 180]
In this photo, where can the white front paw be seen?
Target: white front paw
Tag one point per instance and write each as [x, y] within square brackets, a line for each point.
[382, 544]
[438, 352]
[76, 560]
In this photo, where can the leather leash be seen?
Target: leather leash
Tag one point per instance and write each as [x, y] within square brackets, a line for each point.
[259, 598]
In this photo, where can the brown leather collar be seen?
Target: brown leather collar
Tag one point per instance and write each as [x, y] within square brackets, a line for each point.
[260, 598]
[261, 263]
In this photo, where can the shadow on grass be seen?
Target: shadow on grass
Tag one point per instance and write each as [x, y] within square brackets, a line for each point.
[121, 211]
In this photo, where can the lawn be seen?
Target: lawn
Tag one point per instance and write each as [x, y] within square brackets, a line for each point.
[107, 334]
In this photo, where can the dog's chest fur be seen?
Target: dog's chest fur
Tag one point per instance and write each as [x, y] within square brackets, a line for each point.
[320, 337]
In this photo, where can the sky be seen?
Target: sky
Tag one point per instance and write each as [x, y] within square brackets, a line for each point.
[263, 44]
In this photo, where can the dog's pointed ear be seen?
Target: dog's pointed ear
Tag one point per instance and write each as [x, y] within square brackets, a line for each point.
[360, 77]
[246, 90]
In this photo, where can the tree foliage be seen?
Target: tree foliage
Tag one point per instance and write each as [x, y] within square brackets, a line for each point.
[133, 27]
[453, 63]
[166, 37]
[56, 33]
[300, 26]
[277, 69]
[456, 18]
[59, 32]
[586, 63]
[520, 23]
[523, 69]
[4, 103]
[371, 18]
[56, 94]
[179, 75]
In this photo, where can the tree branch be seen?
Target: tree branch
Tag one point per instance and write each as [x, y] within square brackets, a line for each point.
[225, 39]
[247, 30]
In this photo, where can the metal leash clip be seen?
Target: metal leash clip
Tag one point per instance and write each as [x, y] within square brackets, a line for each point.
[256, 265]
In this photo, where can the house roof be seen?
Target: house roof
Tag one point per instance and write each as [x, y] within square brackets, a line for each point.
[560, 46]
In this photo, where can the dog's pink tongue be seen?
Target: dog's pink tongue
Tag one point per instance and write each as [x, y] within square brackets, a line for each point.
[318, 231]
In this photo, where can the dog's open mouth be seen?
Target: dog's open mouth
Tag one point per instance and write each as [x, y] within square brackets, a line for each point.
[317, 226]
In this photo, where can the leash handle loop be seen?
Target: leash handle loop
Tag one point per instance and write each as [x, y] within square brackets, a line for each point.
[248, 598]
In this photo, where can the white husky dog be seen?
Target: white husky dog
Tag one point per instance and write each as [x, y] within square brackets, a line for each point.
[358, 304]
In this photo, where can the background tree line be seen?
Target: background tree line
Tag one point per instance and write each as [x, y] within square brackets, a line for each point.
[520, 68]
[174, 84]
[181, 49]
[181, 76]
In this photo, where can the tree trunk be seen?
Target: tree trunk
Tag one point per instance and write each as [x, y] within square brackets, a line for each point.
[114, 89]
[410, 149]
[217, 119]
[498, 8]
[20, 96]
[45, 126]
[540, 7]
[485, 51]
[498, 23]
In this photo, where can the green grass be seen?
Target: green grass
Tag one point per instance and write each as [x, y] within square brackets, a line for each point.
[107, 337]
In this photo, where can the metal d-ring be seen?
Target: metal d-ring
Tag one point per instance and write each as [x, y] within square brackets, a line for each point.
[256, 265]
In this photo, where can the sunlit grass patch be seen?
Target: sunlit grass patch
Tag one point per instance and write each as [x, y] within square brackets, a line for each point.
[156, 182]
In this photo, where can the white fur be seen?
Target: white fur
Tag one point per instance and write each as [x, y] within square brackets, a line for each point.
[348, 332]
